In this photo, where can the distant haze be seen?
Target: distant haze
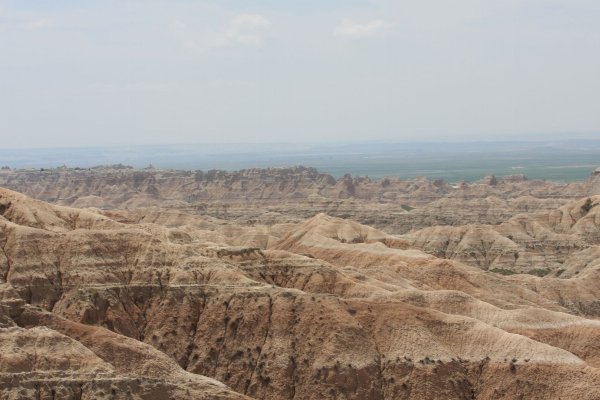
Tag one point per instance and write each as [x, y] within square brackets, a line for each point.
[566, 160]
[111, 73]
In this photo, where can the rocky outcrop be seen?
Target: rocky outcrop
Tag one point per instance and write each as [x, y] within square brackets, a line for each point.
[158, 305]
[45, 356]
[538, 242]
[393, 204]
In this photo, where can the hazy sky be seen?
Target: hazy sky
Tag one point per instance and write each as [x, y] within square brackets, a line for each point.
[124, 72]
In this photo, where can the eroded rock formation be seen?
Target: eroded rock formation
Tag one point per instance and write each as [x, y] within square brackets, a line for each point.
[169, 302]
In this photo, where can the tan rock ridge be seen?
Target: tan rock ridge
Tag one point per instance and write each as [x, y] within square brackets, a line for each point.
[299, 192]
[541, 242]
[156, 303]
[45, 356]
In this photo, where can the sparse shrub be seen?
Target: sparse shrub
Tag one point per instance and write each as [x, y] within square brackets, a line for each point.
[238, 354]
[587, 206]
[503, 271]
[539, 272]
[362, 238]
[406, 207]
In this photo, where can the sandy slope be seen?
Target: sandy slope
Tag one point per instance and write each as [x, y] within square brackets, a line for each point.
[153, 303]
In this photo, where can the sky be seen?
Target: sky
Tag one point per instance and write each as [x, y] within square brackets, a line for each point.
[104, 73]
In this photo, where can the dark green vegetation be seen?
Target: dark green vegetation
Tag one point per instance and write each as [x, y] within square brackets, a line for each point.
[536, 271]
[503, 271]
[587, 206]
[539, 272]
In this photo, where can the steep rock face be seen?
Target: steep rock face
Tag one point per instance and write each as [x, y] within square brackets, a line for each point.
[277, 195]
[47, 357]
[541, 241]
[491, 210]
[327, 308]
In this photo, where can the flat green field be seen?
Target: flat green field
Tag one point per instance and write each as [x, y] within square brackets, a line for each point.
[566, 160]
[468, 167]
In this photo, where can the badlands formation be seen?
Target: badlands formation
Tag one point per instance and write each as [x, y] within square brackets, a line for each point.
[120, 283]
